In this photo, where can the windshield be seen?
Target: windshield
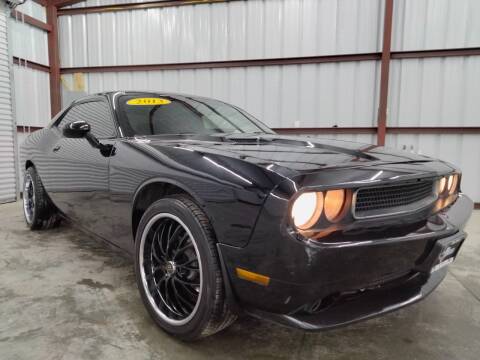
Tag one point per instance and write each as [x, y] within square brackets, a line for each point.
[148, 114]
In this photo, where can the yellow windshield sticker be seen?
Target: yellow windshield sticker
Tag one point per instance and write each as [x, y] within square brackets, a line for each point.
[148, 101]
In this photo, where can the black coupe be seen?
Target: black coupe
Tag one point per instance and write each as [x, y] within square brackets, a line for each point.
[223, 215]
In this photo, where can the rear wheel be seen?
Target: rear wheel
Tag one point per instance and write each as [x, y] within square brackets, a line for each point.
[38, 210]
[178, 272]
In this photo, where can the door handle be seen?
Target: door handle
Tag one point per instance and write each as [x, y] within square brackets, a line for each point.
[56, 148]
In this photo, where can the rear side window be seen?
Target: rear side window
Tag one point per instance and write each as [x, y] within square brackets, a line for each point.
[96, 113]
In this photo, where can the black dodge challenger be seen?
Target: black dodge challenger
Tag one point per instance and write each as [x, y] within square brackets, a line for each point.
[222, 215]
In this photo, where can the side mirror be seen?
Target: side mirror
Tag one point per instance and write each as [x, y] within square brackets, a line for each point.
[76, 129]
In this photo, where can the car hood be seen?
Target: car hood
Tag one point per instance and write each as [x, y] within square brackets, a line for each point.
[285, 155]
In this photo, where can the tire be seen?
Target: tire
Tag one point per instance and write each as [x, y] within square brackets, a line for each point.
[39, 212]
[164, 279]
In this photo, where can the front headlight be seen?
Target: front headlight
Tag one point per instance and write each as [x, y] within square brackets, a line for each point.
[334, 204]
[306, 209]
[309, 207]
[442, 185]
[452, 183]
[447, 190]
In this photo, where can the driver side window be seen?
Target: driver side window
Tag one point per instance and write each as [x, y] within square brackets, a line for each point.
[96, 113]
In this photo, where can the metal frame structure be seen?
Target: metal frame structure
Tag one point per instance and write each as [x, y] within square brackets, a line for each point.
[55, 8]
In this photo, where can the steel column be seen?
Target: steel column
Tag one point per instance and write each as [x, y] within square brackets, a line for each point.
[54, 60]
[385, 72]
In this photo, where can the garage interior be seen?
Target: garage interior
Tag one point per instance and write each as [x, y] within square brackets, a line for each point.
[399, 73]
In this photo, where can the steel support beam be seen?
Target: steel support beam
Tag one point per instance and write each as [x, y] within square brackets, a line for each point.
[385, 73]
[54, 60]
[276, 61]
[367, 130]
[454, 130]
[421, 54]
[326, 130]
[227, 63]
[130, 6]
[31, 64]
[60, 3]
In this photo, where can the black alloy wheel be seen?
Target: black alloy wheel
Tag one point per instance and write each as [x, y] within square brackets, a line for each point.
[178, 269]
[170, 268]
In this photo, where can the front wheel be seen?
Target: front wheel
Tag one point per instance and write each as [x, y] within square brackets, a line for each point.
[178, 270]
[38, 210]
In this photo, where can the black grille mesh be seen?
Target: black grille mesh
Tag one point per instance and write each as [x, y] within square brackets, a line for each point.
[370, 199]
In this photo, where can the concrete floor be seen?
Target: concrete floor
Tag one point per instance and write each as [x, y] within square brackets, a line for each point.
[66, 296]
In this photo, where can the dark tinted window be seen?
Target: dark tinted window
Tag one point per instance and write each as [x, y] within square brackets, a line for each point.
[183, 115]
[96, 113]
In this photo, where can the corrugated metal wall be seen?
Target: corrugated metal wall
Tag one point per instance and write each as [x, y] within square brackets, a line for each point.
[32, 96]
[28, 42]
[435, 92]
[461, 150]
[439, 91]
[423, 92]
[8, 189]
[31, 87]
[342, 94]
[226, 31]
[435, 24]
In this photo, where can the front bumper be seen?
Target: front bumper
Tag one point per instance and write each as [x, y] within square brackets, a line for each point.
[315, 286]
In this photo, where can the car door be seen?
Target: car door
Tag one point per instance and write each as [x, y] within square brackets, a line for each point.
[79, 180]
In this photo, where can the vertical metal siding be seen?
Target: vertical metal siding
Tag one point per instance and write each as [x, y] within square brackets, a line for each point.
[460, 150]
[439, 91]
[28, 42]
[32, 96]
[435, 92]
[7, 127]
[436, 24]
[224, 31]
[21, 136]
[316, 95]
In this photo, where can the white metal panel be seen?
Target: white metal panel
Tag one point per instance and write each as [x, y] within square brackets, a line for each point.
[314, 95]
[7, 127]
[28, 42]
[32, 96]
[224, 31]
[460, 150]
[21, 136]
[435, 92]
[33, 9]
[436, 24]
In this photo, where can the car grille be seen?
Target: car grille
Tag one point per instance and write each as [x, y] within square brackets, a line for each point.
[388, 200]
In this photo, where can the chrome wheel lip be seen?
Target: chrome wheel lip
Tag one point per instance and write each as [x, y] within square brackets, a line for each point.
[28, 199]
[150, 298]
